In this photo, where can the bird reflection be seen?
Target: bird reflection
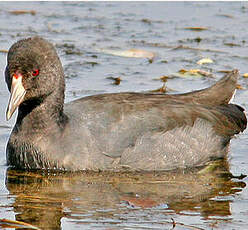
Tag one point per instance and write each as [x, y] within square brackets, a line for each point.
[43, 199]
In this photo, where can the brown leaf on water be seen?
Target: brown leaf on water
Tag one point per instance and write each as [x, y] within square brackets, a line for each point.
[193, 73]
[224, 71]
[245, 75]
[5, 223]
[19, 12]
[238, 86]
[117, 80]
[3, 51]
[198, 39]
[195, 28]
[164, 78]
[147, 21]
[163, 89]
[205, 73]
[92, 63]
[73, 52]
[232, 44]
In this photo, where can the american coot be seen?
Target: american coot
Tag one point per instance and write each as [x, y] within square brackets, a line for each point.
[117, 131]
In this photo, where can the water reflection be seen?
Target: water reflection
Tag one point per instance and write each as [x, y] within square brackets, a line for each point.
[44, 199]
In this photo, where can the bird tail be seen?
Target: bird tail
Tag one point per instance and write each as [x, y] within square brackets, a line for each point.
[218, 94]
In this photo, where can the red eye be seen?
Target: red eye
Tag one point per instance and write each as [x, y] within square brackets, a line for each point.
[35, 73]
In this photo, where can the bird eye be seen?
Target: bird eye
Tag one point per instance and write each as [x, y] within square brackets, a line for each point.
[35, 72]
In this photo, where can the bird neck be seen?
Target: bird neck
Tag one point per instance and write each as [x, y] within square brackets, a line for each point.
[42, 113]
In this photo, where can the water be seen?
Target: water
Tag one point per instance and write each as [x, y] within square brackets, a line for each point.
[80, 31]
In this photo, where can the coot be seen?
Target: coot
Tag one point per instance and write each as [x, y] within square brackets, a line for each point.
[116, 131]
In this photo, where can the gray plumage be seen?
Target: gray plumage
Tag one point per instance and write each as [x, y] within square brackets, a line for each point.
[120, 131]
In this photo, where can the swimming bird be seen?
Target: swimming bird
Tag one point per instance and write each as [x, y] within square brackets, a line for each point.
[114, 131]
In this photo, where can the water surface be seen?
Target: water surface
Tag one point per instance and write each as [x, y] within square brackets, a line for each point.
[81, 32]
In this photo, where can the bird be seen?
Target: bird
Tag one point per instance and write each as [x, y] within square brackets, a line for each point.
[127, 131]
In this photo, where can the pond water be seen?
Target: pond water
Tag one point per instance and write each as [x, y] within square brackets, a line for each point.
[86, 35]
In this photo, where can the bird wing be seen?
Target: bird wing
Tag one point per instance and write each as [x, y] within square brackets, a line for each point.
[117, 120]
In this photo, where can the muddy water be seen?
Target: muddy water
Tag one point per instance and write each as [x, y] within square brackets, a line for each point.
[82, 32]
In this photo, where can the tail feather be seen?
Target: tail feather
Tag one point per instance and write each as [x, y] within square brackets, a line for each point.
[218, 94]
[235, 114]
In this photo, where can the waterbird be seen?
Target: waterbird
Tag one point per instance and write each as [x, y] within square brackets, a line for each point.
[112, 131]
